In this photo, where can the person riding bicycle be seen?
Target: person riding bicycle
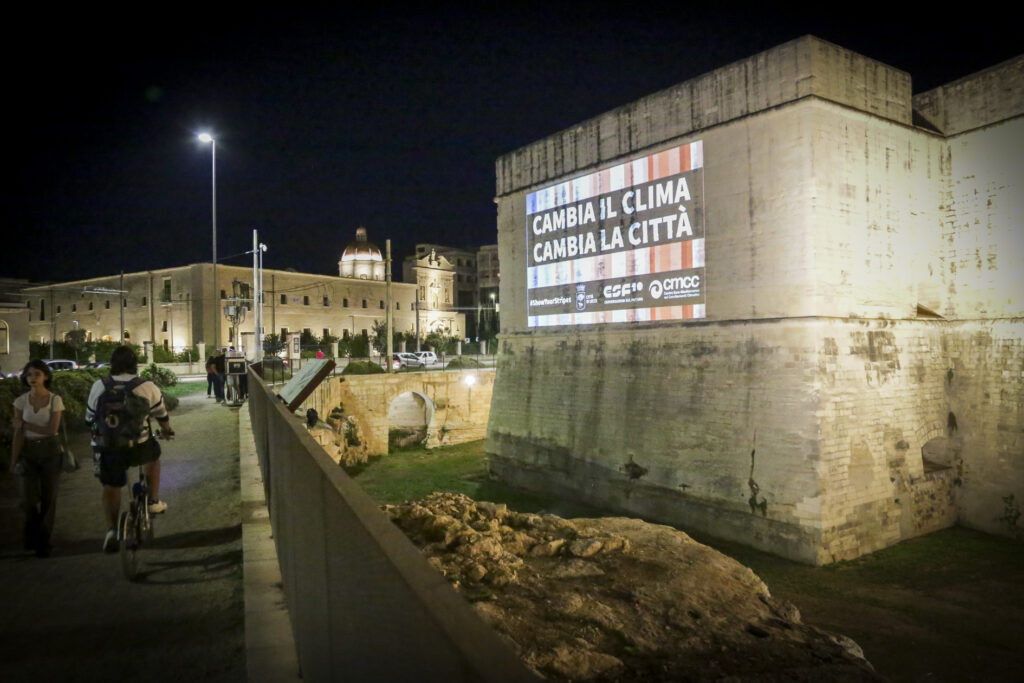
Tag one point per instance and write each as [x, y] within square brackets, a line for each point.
[119, 409]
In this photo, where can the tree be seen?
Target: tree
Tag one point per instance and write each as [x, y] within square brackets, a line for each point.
[440, 343]
[379, 339]
[75, 340]
[273, 344]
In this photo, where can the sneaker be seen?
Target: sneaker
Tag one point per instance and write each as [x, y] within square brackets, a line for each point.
[157, 506]
[110, 542]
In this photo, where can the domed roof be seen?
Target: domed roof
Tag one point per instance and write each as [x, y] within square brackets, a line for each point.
[361, 249]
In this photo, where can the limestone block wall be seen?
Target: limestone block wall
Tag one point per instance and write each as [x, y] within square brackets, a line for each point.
[795, 415]
[983, 233]
[877, 222]
[887, 388]
[713, 429]
[980, 99]
[804, 67]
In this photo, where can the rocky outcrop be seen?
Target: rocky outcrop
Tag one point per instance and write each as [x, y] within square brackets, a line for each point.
[619, 599]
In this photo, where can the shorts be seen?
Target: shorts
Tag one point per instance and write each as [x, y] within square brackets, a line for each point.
[114, 464]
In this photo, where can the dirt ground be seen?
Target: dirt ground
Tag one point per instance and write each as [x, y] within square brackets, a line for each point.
[943, 607]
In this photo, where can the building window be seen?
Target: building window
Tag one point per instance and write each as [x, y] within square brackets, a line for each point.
[124, 302]
[74, 307]
[167, 290]
[165, 344]
[106, 304]
[398, 306]
[305, 301]
[382, 304]
[42, 309]
[58, 309]
[364, 303]
[90, 305]
[145, 301]
[284, 298]
[223, 294]
[344, 303]
[164, 329]
[326, 302]
[327, 333]
[284, 333]
[344, 334]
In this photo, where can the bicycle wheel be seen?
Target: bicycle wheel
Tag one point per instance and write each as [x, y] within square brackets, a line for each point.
[128, 534]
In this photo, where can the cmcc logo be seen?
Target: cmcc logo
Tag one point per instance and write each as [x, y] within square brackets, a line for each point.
[670, 284]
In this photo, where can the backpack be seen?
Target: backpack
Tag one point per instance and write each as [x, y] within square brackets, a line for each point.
[120, 414]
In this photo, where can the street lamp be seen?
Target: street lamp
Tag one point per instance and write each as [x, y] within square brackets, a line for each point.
[206, 138]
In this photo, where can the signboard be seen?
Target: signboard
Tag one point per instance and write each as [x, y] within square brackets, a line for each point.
[305, 380]
[625, 244]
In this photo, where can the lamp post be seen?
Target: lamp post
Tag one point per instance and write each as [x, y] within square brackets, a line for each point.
[209, 139]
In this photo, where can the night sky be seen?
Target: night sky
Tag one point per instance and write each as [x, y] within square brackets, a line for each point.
[325, 121]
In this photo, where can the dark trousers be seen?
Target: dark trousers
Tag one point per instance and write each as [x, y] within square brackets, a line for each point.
[218, 386]
[211, 380]
[40, 461]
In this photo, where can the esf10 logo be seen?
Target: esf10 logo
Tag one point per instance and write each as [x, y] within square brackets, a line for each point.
[622, 289]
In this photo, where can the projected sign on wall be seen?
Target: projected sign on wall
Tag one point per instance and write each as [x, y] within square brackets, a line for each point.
[625, 244]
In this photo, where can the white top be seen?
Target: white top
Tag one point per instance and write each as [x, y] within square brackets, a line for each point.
[146, 389]
[39, 418]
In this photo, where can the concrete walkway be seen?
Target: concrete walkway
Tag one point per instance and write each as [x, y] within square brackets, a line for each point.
[74, 617]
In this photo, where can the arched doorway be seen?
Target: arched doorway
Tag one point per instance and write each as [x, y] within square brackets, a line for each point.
[409, 414]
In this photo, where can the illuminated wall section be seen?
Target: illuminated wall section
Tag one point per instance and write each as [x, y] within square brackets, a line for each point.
[624, 244]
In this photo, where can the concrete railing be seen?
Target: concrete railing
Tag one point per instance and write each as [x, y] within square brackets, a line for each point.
[364, 603]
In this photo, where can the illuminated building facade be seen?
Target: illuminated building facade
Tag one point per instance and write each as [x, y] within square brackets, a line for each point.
[172, 308]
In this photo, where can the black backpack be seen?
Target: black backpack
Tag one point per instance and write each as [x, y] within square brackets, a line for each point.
[120, 415]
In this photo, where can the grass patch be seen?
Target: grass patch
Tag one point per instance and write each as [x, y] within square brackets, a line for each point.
[185, 389]
[414, 472]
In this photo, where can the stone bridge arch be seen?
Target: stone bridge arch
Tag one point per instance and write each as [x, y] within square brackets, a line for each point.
[460, 400]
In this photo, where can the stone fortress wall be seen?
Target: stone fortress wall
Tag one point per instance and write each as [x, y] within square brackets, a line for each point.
[865, 263]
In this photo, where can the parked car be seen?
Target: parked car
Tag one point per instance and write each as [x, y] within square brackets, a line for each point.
[96, 365]
[427, 357]
[405, 360]
[61, 364]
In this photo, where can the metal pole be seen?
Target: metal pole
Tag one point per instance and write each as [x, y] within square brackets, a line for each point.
[260, 333]
[216, 289]
[389, 318]
[120, 304]
[53, 321]
[255, 294]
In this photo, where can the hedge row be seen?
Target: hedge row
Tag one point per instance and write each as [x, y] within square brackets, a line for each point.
[73, 387]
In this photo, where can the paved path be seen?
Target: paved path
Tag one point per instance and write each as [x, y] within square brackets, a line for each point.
[74, 617]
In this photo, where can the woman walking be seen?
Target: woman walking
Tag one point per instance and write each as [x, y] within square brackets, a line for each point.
[35, 453]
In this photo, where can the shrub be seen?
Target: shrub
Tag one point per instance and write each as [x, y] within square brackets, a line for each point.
[162, 377]
[362, 367]
[463, 363]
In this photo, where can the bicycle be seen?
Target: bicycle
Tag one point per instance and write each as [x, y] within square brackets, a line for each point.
[134, 526]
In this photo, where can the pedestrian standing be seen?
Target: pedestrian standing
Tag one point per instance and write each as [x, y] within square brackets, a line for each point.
[210, 377]
[220, 373]
[35, 454]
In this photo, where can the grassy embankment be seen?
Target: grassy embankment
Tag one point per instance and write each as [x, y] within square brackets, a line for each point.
[948, 606]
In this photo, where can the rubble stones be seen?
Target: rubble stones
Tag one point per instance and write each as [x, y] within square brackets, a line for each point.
[616, 599]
